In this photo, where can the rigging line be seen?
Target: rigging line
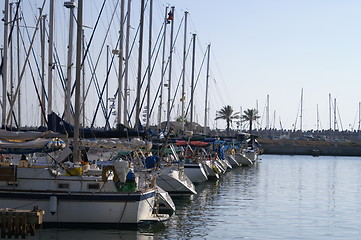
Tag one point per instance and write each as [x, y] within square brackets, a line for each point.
[339, 117]
[153, 67]
[100, 53]
[34, 83]
[57, 64]
[160, 85]
[133, 44]
[175, 40]
[195, 85]
[13, 113]
[180, 78]
[10, 35]
[101, 102]
[108, 72]
[32, 49]
[92, 35]
[23, 69]
[93, 75]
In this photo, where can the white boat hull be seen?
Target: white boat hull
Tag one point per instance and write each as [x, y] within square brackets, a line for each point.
[242, 159]
[84, 208]
[176, 183]
[195, 172]
[211, 170]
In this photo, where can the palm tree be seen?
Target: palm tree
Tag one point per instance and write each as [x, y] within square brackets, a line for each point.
[227, 114]
[250, 115]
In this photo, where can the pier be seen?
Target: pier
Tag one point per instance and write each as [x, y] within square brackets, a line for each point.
[19, 222]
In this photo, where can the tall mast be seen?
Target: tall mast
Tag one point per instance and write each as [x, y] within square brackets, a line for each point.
[139, 77]
[318, 118]
[334, 116]
[192, 82]
[170, 70]
[330, 107]
[83, 77]
[78, 66]
[11, 58]
[149, 60]
[267, 113]
[50, 56]
[5, 62]
[301, 117]
[67, 114]
[120, 72]
[184, 67]
[126, 67]
[359, 120]
[205, 103]
[163, 72]
[42, 87]
[27, 55]
[18, 67]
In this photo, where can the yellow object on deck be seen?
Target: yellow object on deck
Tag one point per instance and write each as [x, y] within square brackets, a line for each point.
[76, 171]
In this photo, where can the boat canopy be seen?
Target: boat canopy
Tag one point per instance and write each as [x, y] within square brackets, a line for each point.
[193, 143]
[116, 144]
[26, 136]
[32, 146]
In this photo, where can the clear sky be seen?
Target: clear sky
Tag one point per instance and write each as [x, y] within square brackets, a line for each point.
[280, 47]
[259, 48]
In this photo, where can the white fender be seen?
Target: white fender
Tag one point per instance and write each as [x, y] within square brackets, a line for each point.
[53, 205]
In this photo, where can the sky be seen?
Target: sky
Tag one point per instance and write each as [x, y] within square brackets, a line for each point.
[280, 47]
[259, 50]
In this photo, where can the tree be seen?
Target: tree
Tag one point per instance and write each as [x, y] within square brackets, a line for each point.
[227, 114]
[250, 115]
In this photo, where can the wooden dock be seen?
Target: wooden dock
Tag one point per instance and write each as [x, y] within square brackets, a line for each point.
[19, 222]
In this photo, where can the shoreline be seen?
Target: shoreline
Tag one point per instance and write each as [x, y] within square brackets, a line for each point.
[315, 148]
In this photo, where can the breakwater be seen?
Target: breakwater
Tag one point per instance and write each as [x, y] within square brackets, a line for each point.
[324, 148]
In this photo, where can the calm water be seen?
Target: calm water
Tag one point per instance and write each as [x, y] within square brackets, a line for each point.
[283, 197]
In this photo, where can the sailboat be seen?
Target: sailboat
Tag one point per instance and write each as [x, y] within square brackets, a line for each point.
[76, 192]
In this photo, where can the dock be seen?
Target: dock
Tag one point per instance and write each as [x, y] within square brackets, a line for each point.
[19, 222]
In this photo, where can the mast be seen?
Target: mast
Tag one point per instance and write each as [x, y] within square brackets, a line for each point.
[170, 69]
[11, 58]
[5, 62]
[18, 67]
[318, 118]
[301, 117]
[27, 55]
[107, 89]
[162, 73]
[267, 113]
[120, 72]
[139, 78]
[50, 56]
[83, 85]
[192, 82]
[359, 120]
[334, 116]
[78, 66]
[126, 67]
[184, 67]
[42, 87]
[205, 103]
[149, 61]
[330, 107]
[67, 114]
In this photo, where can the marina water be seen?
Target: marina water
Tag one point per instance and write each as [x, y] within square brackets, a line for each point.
[282, 197]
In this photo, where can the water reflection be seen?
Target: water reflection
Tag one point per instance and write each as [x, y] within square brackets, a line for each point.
[283, 197]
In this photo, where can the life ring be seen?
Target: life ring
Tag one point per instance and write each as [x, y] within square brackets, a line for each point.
[189, 153]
